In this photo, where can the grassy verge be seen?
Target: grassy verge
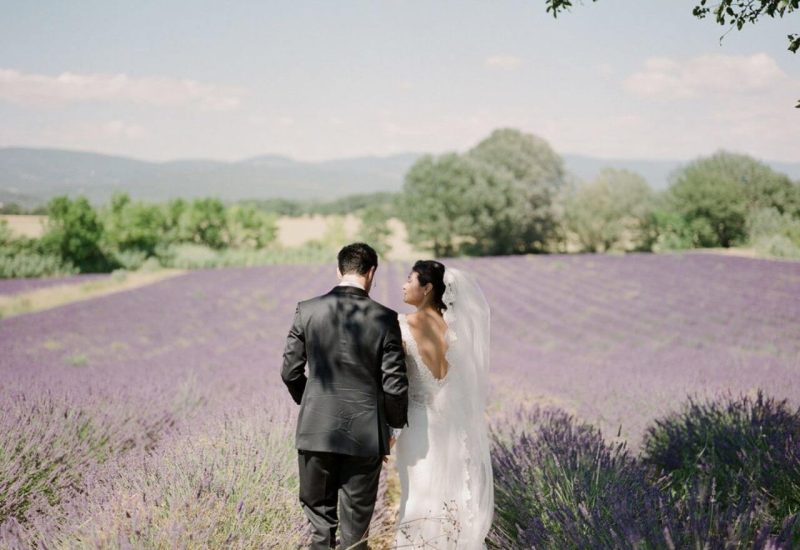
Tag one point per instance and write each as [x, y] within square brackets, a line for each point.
[54, 296]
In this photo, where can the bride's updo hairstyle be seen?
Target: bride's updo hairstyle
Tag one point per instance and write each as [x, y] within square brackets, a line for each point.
[431, 271]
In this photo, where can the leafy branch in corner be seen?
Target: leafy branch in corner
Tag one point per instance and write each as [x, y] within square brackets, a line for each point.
[736, 13]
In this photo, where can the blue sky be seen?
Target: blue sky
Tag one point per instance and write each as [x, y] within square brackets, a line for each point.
[318, 80]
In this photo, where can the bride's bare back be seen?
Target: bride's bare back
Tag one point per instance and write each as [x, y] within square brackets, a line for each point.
[429, 331]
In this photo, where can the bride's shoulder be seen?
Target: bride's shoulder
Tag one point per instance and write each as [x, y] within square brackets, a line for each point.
[412, 319]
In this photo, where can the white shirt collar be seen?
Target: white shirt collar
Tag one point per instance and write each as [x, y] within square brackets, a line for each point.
[351, 283]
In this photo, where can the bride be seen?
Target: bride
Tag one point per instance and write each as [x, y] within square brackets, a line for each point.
[447, 493]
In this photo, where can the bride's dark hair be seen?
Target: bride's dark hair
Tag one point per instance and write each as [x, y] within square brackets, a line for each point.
[431, 271]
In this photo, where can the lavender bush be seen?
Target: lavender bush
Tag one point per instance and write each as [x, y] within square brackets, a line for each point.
[231, 484]
[749, 447]
[558, 484]
[51, 442]
[15, 286]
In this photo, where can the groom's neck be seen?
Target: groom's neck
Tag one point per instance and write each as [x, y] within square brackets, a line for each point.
[353, 279]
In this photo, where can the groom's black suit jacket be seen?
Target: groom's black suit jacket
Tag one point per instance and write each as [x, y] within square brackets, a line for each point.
[356, 385]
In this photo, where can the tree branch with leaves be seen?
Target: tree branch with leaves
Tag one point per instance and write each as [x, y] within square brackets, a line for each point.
[736, 13]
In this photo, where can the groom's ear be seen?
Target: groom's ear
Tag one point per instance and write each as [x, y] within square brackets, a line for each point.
[338, 273]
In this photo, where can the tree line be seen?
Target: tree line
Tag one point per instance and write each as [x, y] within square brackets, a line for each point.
[125, 233]
[510, 194]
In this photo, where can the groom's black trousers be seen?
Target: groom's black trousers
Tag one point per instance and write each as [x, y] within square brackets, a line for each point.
[322, 475]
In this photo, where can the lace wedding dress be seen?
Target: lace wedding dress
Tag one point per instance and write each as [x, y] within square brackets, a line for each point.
[442, 456]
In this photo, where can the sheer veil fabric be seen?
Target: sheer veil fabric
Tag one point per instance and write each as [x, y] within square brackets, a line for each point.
[447, 492]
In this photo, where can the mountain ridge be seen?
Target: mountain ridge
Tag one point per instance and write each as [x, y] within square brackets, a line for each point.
[41, 173]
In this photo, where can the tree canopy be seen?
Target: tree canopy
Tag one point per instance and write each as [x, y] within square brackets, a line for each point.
[74, 233]
[611, 212]
[715, 194]
[498, 198]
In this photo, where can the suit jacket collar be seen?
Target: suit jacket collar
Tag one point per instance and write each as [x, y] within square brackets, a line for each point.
[342, 289]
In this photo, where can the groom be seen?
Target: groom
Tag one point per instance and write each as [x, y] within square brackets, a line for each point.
[355, 389]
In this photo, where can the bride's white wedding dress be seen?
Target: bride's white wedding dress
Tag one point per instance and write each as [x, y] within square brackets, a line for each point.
[442, 456]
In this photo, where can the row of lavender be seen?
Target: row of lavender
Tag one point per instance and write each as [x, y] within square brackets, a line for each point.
[157, 416]
[9, 287]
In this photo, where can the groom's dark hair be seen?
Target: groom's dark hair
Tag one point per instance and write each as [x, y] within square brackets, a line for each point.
[357, 258]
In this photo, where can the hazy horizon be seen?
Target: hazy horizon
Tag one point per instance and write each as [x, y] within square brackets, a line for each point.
[376, 156]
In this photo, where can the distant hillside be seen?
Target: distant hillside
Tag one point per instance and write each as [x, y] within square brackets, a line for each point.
[43, 173]
[32, 176]
[656, 172]
[25, 201]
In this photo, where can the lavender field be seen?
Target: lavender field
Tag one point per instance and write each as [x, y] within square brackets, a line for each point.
[10, 287]
[156, 417]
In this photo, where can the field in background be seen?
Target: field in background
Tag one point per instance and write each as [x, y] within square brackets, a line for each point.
[296, 231]
[25, 226]
[188, 370]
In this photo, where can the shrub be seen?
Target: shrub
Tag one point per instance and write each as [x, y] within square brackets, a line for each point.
[5, 233]
[673, 232]
[27, 257]
[130, 259]
[193, 256]
[778, 246]
[74, 233]
[559, 485]
[749, 447]
[33, 265]
[132, 226]
[49, 445]
[774, 233]
[250, 228]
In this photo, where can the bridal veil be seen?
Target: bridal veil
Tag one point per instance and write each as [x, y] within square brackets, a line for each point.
[467, 476]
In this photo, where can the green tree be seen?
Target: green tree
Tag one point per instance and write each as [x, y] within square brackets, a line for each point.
[499, 198]
[713, 205]
[11, 208]
[529, 175]
[134, 225]
[671, 230]
[5, 233]
[611, 212]
[74, 233]
[715, 194]
[432, 204]
[250, 227]
[491, 221]
[204, 222]
[175, 213]
[375, 228]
